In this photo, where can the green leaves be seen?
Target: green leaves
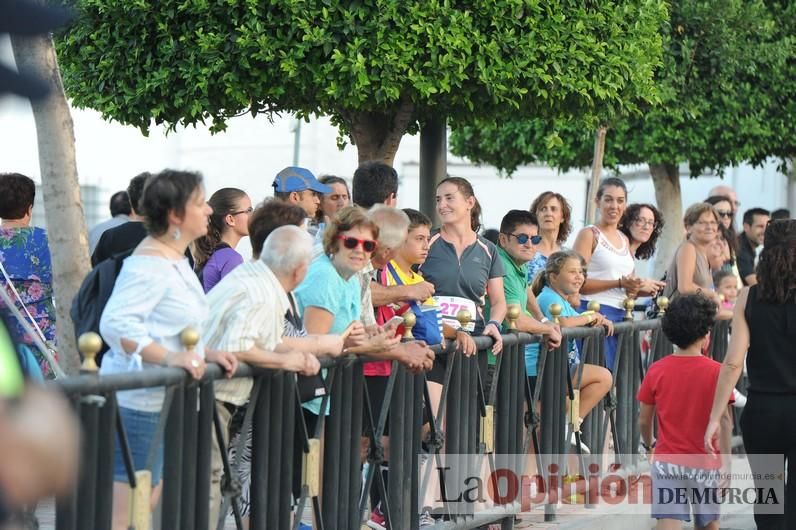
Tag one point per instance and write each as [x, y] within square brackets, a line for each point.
[724, 96]
[179, 62]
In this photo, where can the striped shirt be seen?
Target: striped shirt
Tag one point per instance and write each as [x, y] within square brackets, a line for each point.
[247, 308]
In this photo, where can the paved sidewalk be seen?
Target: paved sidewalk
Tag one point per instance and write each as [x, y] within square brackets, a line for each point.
[566, 520]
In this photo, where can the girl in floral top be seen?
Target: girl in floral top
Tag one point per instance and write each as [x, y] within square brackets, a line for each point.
[25, 256]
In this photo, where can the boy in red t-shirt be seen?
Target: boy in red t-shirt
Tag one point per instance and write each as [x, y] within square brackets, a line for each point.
[678, 390]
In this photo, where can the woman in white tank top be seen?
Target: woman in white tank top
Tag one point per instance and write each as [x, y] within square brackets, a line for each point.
[611, 266]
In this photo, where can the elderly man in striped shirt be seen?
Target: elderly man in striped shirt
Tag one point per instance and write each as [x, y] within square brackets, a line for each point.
[247, 316]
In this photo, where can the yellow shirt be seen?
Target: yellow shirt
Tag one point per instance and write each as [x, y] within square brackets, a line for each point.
[409, 278]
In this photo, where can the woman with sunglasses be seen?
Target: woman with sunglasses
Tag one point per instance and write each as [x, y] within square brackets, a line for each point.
[723, 206]
[215, 254]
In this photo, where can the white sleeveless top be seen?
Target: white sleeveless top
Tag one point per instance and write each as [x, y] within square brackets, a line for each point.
[609, 263]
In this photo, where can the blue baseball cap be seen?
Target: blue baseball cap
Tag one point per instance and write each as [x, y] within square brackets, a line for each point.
[298, 179]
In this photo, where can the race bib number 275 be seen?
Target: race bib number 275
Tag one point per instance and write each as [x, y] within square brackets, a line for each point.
[449, 307]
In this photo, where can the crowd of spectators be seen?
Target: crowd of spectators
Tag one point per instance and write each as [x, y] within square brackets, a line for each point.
[328, 277]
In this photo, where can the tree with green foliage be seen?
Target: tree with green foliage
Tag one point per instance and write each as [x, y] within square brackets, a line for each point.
[378, 68]
[727, 98]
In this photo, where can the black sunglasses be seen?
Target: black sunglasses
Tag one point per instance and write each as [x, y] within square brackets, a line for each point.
[724, 213]
[368, 245]
[523, 238]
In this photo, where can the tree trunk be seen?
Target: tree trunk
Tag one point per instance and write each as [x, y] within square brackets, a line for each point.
[666, 178]
[377, 135]
[596, 174]
[35, 56]
[433, 163]
[791, 197]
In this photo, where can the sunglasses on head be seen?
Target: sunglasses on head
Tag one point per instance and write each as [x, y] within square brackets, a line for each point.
[523, 238]
[368, 245]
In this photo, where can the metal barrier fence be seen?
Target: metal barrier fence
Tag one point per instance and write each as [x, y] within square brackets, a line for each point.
[480, 419]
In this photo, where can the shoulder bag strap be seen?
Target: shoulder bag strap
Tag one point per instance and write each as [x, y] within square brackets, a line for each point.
[40, 344]
[411, 303]
[24, 307]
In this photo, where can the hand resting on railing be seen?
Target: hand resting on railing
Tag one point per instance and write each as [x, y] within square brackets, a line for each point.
[190, 361]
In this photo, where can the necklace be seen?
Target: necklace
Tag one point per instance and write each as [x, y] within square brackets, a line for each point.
[170, 247]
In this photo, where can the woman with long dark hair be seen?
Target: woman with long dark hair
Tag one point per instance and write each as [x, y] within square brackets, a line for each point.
[763, 334]
[642, 224]
[724, 208]
[215, 254]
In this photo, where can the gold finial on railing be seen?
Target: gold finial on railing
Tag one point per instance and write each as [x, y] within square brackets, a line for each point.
[189, 338]
[555, 310]
[89, 345]
[512, 315]
[629, 304]
[594, 306]
[663, 304]
[464, 317]
[410, 319]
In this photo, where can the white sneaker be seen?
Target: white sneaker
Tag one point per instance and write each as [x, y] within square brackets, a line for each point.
[574, 443]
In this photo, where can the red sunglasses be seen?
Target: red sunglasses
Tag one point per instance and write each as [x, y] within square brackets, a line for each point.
[368, 245]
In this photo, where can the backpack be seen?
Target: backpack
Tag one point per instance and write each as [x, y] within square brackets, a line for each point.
[93, 295]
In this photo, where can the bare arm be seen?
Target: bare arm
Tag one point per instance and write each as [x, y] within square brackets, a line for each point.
[314, 344]
[317, 321]
[497, 299]
[686, 265]
[151, 353]
[529, 324]
[645, 423]
[383, 295]
[730, 371]
[294, 361]
[533, 306]
[584, 245]
[725, 439]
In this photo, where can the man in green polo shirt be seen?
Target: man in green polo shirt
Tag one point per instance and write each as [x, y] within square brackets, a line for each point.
[516, 247]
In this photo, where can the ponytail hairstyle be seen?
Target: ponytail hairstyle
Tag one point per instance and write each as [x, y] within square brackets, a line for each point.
[776, 269]
[466, 189]
[554, 265]
[329, 180]
[224, 202]
[611, 182]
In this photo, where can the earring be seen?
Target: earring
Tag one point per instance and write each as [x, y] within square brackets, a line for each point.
[176, 234]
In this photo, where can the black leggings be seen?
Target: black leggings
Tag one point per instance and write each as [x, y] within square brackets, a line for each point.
[768, 428]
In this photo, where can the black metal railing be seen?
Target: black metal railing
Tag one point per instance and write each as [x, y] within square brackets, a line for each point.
[473, 418]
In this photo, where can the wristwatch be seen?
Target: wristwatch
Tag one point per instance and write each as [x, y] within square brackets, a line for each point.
[648, 448]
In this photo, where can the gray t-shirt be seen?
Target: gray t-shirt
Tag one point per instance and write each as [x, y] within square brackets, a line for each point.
[466, 277]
